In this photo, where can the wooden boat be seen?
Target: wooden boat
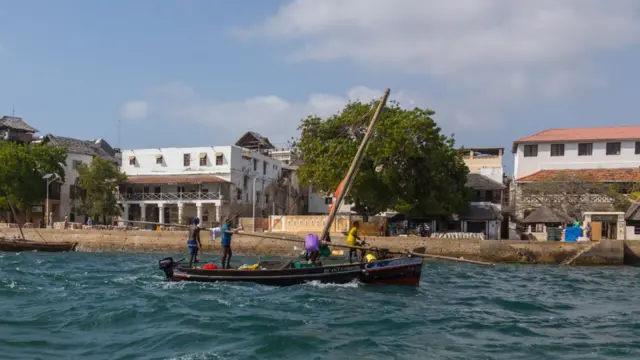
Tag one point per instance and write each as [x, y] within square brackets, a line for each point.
[19, 245]
[394, 271]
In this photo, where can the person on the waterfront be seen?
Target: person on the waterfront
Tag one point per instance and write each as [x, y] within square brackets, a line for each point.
[226, 243]
[352, 240]
[193, 241]
[66, 221]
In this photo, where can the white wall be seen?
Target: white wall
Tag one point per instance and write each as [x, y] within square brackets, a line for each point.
[631, 235]
[236, 163]
[70, 179]
[524, 166]
[493, 173]
[317, 203]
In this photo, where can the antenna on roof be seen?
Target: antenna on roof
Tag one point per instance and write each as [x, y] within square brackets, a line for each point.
[13, 110]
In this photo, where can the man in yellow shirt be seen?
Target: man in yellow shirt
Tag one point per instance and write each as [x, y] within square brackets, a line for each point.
[352, 240]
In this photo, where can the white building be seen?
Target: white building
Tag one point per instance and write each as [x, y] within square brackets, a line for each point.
[604, 154]
[62, 196]
[170, 185]
[577, 149]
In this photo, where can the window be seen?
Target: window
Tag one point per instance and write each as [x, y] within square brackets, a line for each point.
[264, 168]
[76, 164]
[255, 165]
[585, 149]
[239, 194]
[539, 228]
[637, 147]
[219, 160]
[157, 190]
[636, 230]
[159, 159]
[245, 182]
[186, 159]
[203, 160]
[613, 148]
[557, 149]
[530, 150]
[266, 198]
[257, 196]
[328, 200]
[132, 160]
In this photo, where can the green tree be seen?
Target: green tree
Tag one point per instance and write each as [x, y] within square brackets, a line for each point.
[97, 184]
[410, 166]
[22, 167]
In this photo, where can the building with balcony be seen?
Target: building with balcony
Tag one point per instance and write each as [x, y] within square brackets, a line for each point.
[609, 155]
[172, 185]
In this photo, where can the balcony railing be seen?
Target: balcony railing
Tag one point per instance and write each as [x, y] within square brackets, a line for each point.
[169, 196]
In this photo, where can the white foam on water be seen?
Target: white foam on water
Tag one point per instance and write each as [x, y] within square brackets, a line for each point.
[351, 285]
[199, 356]
[126, 279]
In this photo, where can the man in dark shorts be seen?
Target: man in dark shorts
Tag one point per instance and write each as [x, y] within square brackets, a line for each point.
[193, 241]
[226, 243]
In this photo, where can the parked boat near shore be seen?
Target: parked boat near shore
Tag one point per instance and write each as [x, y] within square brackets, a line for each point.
[19, 245]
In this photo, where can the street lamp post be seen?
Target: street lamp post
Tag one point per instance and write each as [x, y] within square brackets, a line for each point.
[49, 178]
[254, 204]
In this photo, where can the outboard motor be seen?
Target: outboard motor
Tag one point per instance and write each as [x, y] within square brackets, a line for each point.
[167, 265]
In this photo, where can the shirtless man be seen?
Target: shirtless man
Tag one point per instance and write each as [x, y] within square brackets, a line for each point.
[193, 241]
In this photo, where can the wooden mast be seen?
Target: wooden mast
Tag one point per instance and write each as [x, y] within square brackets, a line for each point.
[355, 164]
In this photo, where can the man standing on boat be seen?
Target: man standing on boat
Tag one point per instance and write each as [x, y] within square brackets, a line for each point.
[352, 240]
[226, 243]
[193, 241]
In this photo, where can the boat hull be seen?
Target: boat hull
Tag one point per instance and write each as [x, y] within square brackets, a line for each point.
[22, 246]
[398, 271]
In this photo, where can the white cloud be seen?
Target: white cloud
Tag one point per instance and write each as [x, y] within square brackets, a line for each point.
[489, 53]
[134, 110]
[270, 115]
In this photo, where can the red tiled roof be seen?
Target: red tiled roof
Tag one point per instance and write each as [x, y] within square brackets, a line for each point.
[583, 134]
[174, 179]
[604, 175]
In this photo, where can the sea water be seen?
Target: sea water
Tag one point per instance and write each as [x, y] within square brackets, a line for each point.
[117, 306]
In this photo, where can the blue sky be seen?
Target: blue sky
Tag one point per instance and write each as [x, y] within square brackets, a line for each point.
[192, 73]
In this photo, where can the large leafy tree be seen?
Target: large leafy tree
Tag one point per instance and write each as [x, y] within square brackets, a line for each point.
[410, 166]
[97, 184]
[22, 168]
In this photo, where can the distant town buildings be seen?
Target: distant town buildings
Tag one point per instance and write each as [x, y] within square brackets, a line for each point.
[64, 197]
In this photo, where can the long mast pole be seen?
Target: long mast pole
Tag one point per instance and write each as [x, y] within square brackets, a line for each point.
[355, 164]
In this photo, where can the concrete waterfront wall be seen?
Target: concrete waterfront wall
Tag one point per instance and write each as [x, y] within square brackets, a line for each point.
[552, 252]
[500, 251]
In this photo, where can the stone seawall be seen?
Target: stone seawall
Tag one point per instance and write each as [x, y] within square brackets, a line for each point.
[499, 251]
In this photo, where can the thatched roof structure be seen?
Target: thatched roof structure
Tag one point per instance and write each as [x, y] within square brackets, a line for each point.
[544, 215]
[633, 213]
[481, 182]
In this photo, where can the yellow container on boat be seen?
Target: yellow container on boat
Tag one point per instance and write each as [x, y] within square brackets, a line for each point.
[337, 252]
[370, 258]
[253, 267]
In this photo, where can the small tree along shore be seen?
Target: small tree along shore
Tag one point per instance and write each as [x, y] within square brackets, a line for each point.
[410, 165]
[22, 168]
[98, 182]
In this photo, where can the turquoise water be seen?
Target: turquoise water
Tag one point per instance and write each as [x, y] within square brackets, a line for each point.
[114, 306]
